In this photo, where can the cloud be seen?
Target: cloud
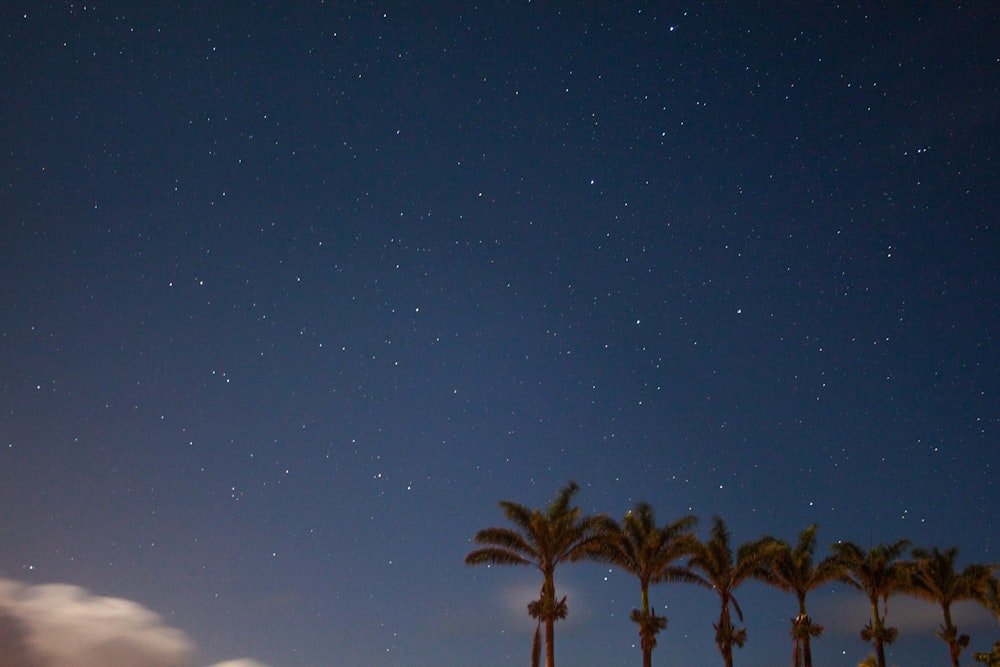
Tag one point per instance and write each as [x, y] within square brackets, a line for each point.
[515, 599]
[57, 625]
[847, 614]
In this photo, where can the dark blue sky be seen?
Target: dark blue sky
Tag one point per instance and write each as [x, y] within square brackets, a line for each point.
[290, 298]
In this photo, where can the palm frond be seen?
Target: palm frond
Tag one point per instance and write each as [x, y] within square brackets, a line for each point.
[677, 574]
[506, 538]
[519, 515]
[495, 556]
[736, 608]
[561, 505]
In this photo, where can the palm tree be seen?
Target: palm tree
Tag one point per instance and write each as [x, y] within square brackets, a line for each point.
[878, 573]
[792, 570]
[650, 553]
[934, 578]
[714, 559]
[542, 539]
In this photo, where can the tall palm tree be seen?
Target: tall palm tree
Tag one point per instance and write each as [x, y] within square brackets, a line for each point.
[714, 559]
[878, 573]
[542, 539]
[791, 569]
[650, 553]
[934, 578]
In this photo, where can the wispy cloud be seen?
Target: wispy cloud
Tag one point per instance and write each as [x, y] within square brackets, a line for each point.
[515, 599]
[57, 625]
[847, 614]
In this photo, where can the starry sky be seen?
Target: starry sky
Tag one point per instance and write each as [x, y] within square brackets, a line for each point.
[292, 295]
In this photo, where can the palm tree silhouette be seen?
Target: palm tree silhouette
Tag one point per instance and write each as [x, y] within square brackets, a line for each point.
[650, 553]
[934, 578]
[791, 569]
[878, 573]
[714, 559]
[542, 539]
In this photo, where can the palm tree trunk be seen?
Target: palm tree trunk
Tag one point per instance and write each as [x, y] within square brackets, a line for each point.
[550, 642]
[726, 630]
[548, 606]
[951, 635]
[807, 656]
[647, 650]
[877, 635]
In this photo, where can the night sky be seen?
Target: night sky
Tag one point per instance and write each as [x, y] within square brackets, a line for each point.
[291, 297]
